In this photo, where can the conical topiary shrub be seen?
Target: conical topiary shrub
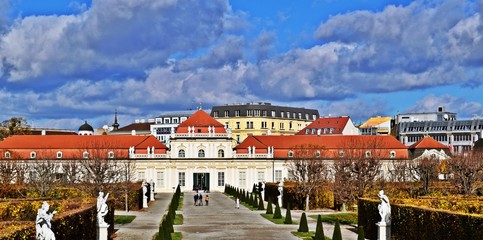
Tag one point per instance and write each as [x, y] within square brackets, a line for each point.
[288, 215]
[303, 226]
[255, 201]
[319, 230]
[337, 234]
[360, 233]
[269, 207]
[260, 203]
[278, 213]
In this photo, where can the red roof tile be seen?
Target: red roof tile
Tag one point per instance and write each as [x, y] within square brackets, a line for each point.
[337, 123]
[428, 143]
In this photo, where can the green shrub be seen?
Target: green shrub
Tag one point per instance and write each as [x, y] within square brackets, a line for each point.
[269, 207]
[288, 216]
[337, 234]
[303, 226]
[260, 203]
[319, 230]
[360, 233]
[278, 212]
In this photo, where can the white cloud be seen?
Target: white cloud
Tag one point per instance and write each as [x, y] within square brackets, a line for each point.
[459, 105]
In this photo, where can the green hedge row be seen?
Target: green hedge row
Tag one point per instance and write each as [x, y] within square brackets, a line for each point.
[80, 224]
[411, 222]
[166, 225]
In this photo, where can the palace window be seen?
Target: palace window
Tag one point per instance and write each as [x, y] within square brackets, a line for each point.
[181, 153]
[182, 179]
[160, 179]
[201, 153]
[221, 153]
[278, 175]
[141, 175]
[261, 176]
[242, 179]
[221, 179]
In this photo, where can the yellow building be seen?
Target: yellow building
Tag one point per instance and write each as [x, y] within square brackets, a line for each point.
[262, 119]
[376, 126]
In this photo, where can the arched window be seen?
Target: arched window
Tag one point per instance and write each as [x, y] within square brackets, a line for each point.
[110, 154]
[33, 154]
[59, 154]
[392, 154]
[181, 153]
[290, 153]
[341, 154]
[368, 154]
[221, 153]
[201, 153]
[85, 155]
[317, 154]
[7, 155]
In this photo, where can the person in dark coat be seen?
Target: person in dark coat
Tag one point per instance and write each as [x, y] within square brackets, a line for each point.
[196, 198]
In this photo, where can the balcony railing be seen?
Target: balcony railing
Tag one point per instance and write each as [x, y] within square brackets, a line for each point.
[257, 155]
[200, 135]
[144, 155]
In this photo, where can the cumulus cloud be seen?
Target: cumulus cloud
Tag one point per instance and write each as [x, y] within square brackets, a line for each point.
[459, 105]
[109, 36]
[358, 109]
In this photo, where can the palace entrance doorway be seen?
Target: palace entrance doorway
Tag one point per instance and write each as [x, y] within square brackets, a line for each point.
[201, 181]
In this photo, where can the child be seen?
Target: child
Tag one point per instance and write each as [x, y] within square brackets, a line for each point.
[207, 199]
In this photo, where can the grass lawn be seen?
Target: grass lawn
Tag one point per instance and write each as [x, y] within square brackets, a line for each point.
[178, 219]
[269, 217]
[307, 235]
[123, 219]
[180, 205]
[344, 218]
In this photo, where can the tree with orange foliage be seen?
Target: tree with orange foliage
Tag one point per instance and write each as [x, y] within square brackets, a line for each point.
[465, 171]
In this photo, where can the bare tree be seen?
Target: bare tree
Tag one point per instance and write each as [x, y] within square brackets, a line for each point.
[307, 170]
[128, 169]
[72, 172]
[424, 170]
[343, 187]
[100, 165]
[8, 175]
[465, 170]
[42, 175]
[399, 171]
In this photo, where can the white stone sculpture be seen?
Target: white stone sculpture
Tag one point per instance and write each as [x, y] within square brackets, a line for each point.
[102, 208]
[384, 208]
[145, 197]
[42, 223]
[280, 190]
[152, 190]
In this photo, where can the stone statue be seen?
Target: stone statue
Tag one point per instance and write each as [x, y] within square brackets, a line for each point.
[145, 188]
[384, 208]
[102, 208]
[42, 223]
[280, 190]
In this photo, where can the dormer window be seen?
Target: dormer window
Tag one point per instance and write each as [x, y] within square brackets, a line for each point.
[317, 154]
[290, 153]
[59, 154]
[7, 155]
[85, 155]
[341, 154]
[110, 154]
[392, 154]
[368, 154]
[33, 154]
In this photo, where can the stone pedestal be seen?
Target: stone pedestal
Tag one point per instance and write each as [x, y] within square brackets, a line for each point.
[102, 231]
[383, 231]
[145, 202]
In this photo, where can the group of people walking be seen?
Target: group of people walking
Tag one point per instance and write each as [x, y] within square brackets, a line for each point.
[198, 197]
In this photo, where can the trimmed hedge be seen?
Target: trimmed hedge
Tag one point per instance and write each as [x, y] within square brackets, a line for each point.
[76, 224]
[322, 197]
[412, 222]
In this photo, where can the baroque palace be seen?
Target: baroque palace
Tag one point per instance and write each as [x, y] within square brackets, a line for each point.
[202, 153]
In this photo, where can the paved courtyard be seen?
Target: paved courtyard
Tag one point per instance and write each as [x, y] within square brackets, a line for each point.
[219, 220]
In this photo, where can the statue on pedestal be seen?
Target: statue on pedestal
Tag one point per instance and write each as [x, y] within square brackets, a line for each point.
[280, 190]
[42, 223]
[102, 208]
[384, 208]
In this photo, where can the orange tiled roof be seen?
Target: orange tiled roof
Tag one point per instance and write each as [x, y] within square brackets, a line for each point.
[77, 141]
[374, 121]
[337, 123]
[201, 121]
[330, 145]
[428, 143]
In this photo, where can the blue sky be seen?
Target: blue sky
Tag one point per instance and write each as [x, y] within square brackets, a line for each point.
[63, 62]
